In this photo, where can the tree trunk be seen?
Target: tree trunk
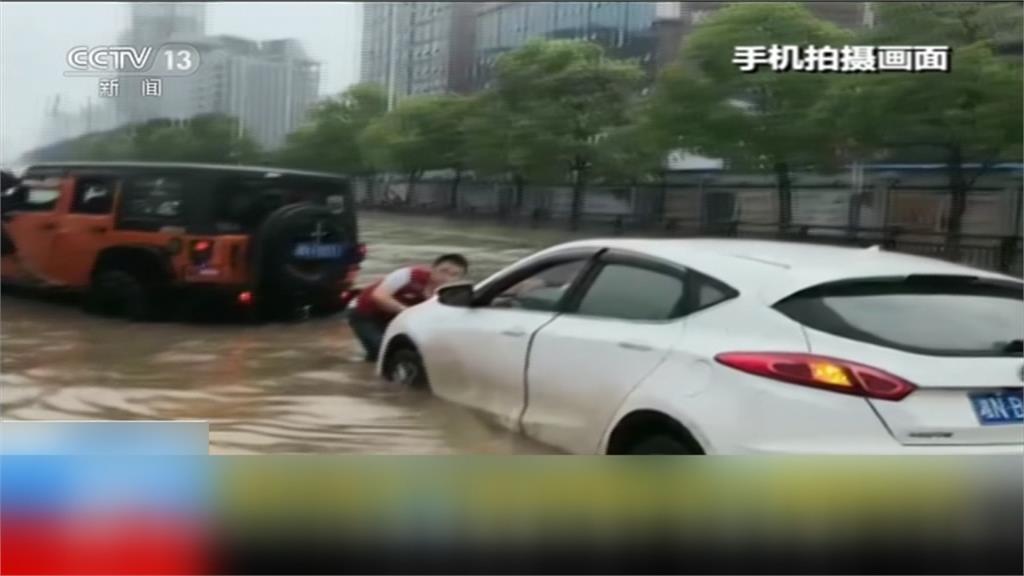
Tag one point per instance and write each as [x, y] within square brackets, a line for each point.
[958, 202]
[453, 198]
[370, 182]
[410, 194]
[517, 180]
[785, 196]
[578, 190]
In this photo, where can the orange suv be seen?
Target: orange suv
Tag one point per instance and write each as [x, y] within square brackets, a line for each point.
[139, 239]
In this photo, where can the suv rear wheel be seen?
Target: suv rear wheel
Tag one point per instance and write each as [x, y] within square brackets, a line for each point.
[289, 281]
[120, 294]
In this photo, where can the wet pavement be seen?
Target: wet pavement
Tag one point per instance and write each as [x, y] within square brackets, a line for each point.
[276, 388]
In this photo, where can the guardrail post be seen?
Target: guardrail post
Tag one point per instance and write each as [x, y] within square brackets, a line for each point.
[535, 217]
[889, 237]
[1007, 253]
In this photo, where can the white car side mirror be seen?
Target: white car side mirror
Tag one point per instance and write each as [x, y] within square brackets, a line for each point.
[459, 294]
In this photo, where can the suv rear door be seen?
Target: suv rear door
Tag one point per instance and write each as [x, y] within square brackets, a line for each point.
[957, 338]
[249, 205]
[241, 202]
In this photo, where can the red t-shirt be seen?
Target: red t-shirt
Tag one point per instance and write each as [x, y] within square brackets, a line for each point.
[407, 285]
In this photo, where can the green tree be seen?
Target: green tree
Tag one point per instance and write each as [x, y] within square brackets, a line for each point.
[946, 23]
[551, 103]
[163, 140]
[708, 105]
[440, 123]
[631, 152]
[329, 140]
[969, 116]
[208, 138]
[216, 138]
[421, 134]
[104, 146]
[498, 146]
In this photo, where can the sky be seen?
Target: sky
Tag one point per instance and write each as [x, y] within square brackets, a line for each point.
[35, 38]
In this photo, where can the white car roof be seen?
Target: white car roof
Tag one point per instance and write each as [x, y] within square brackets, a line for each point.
[775, 269]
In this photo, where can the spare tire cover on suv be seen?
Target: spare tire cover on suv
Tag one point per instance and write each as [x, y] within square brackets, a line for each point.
[303, 248]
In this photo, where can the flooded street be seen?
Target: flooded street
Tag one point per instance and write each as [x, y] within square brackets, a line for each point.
[277, 388]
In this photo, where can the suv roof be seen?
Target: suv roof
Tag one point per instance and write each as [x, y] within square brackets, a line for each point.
[179, 166]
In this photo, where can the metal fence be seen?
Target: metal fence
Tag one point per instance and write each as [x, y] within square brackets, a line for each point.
[910, 217]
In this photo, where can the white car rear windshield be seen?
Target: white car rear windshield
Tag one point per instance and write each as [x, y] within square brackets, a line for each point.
[934, 315]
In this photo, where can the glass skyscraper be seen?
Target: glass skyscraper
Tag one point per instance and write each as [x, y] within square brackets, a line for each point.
[624, 29]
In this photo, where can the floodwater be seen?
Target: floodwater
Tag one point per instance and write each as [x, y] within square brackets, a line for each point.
[277, 388]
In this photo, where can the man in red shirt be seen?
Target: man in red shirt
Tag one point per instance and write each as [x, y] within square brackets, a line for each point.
[380, 302]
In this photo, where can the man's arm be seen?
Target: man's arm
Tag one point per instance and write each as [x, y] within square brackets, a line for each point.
[384, 294]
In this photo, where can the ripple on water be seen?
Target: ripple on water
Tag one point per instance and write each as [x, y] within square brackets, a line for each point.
[25, 342]
[183, 357]
[275, 388]
[15, 380]
[51, 374]
[336, 377]
[57, 348]
[96, 402]
[285, 354]
[11, 396]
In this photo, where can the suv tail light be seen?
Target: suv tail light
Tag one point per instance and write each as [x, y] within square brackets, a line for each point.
[820, 372]
[201, 251]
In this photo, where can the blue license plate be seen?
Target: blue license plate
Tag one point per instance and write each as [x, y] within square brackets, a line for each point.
[312, 251]
[995, 408]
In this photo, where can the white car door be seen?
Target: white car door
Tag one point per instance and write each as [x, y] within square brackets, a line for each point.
[621, 325]
[485, 347]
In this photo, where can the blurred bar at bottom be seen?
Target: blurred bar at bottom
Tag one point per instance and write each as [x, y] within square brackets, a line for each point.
[647, 556]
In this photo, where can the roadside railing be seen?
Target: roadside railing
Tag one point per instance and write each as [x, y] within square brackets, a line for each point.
[1000, 253]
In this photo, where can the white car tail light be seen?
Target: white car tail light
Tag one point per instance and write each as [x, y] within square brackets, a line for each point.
[820, 372]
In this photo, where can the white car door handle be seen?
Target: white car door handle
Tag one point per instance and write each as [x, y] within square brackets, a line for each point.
[514, 333]
[635, 346]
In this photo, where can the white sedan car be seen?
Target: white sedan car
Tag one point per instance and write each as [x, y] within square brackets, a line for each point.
[728, 347]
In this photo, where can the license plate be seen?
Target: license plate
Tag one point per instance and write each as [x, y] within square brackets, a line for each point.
[310, 251]
[995, 408]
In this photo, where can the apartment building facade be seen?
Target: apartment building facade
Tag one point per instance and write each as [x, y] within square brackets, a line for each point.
[417, 48]
[268, 86]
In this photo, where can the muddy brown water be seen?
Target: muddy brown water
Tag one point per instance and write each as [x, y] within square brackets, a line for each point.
[276, 388]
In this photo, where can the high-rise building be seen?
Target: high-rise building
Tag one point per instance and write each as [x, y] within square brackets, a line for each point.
[158, 21]
[268, 86]
[154, 24]
[385, 50]
[625, 29]
[440, 47]
[417, 48]
[678, 19]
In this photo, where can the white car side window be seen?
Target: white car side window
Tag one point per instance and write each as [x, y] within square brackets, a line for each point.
[632, 293]
[541, 291]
